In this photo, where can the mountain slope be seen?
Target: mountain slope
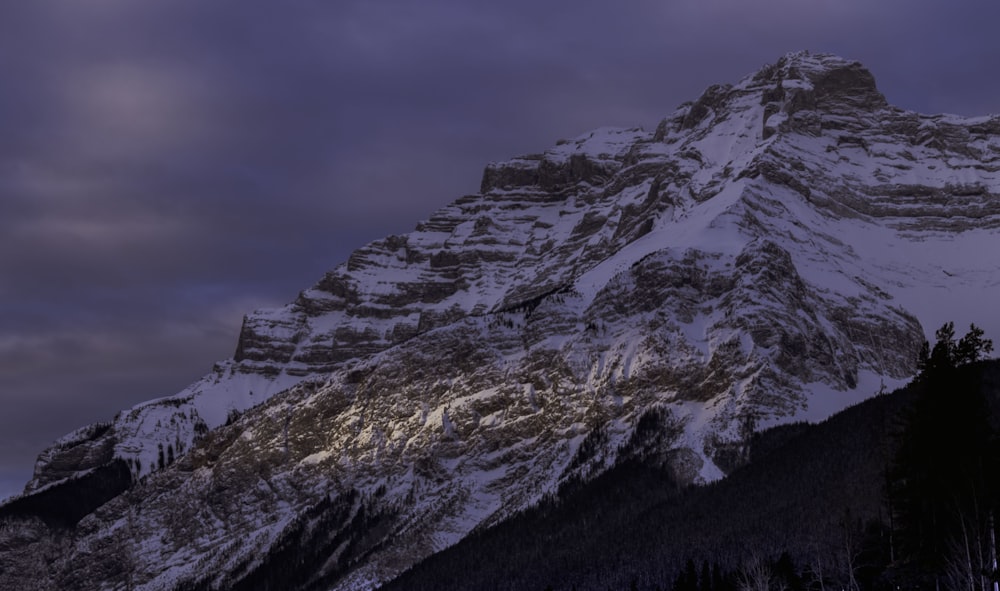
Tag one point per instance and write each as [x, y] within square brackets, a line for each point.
[815, 492]
[763, 256]
[634, 524]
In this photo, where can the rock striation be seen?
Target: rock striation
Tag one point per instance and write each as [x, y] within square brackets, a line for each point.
[768, 253]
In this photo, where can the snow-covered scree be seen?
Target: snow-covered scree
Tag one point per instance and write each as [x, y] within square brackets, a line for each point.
[775, 250]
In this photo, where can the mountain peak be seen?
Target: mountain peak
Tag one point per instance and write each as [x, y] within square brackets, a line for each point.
[832, 79]
[793, 94]
[807, 61]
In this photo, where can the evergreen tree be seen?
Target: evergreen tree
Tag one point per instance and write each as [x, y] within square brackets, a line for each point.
[972, 347]
[719, 582]
[705, 580]
[947, 353]
[924, 358]
[785, 571]
[943, 353]
[688, 579]
[941, 484]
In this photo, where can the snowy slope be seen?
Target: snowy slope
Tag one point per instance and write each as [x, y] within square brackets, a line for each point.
[775, 250]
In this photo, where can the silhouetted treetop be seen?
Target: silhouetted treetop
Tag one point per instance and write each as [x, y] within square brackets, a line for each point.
[948, 353]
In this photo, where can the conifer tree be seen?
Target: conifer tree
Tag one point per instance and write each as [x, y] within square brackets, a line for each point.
[972, 347]
[942, 481]
[705, 581]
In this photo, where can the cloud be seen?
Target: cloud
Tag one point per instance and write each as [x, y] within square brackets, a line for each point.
[134, 110]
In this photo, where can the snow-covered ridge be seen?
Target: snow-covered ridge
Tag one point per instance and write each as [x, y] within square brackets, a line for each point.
[768, 253]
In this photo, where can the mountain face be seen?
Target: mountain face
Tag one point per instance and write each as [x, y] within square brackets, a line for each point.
[766, 254]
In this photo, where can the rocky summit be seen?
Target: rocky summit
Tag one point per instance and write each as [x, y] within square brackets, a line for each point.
[775, 250]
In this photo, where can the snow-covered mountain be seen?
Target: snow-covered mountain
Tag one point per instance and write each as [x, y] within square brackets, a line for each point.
[775, 250]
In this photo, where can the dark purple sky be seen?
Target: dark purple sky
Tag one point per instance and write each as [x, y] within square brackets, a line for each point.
[168, 165]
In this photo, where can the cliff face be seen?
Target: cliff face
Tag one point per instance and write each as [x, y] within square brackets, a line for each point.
[763, 255]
